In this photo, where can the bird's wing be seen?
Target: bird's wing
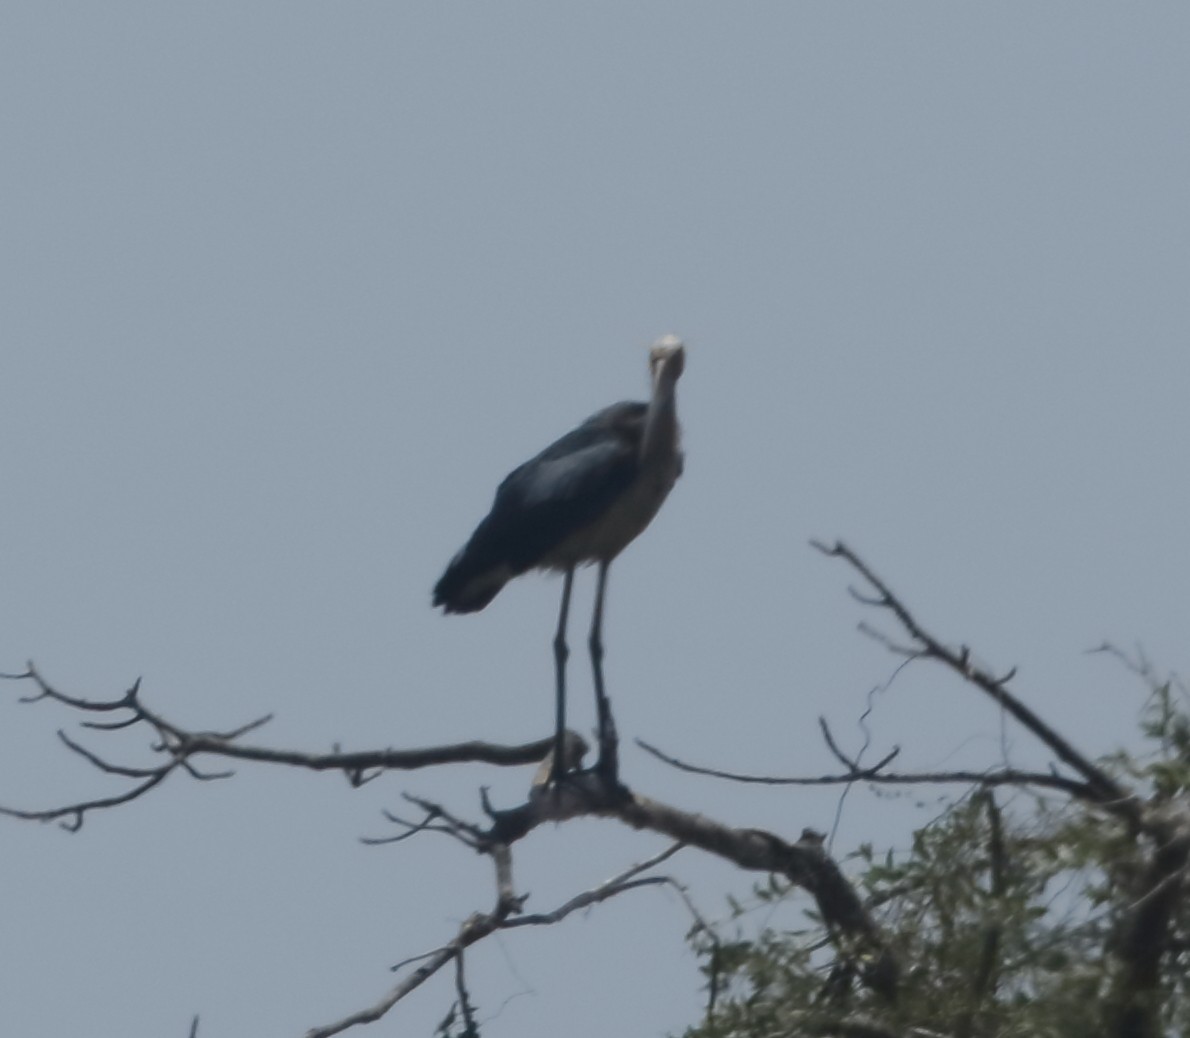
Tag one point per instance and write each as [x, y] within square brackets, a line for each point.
[549, 498]
[542, 502]
[565, 487]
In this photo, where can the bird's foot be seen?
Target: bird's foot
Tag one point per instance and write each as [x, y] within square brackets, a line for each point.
[566, 756]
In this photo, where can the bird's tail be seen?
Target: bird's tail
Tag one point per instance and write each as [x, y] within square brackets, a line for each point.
[470, 583]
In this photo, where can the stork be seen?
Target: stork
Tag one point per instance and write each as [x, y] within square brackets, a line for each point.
[581, 500]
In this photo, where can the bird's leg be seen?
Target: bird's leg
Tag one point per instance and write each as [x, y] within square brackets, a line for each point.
[607, 764]
[560, 654]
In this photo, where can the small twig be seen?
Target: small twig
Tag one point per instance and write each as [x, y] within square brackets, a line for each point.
[465, 1007]
[204, 776]
[470, 834]
[45, 690]
[868, 631]
[98, 762]
[74, 813]
[398, 966]
[1161, 889]
[853, 765]
[427, 824]
[435, 961]
[619, 884]
[102, 726]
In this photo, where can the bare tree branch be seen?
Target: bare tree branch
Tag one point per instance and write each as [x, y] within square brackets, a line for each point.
[465, 1007]
[480, 925]
[851, 763]
[179, 747]
[625, 881]
[70, 816]
[434, 962]
[1107, 792]
[876, 774]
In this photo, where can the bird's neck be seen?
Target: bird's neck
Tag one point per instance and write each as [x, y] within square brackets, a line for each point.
[660, 440]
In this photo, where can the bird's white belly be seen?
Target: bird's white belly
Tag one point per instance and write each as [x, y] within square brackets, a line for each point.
[610, 534]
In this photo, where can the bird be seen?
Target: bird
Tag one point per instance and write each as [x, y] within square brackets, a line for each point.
[580, 501]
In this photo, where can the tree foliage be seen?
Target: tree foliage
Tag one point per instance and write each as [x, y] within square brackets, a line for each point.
[1013, 912]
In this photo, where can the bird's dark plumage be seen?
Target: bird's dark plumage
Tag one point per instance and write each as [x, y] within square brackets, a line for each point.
[539, 504]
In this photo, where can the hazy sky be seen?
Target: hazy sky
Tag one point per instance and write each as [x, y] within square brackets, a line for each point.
[285, 290]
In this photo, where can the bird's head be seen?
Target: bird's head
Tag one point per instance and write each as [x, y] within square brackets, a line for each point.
[667, 358]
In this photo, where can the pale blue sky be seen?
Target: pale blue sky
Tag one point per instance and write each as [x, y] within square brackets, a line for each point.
[285, 289]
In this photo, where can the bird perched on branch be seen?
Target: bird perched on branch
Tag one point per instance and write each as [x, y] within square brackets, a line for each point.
[581, 500]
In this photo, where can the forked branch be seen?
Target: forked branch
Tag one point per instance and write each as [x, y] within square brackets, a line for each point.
[1098, 783]
[504, 915]
[878, 775]
[178, 748]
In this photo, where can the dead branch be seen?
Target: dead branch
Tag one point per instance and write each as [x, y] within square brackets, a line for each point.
[466, 1009]
[875, 773]
[178, 748]
[482, 924]
[625, 881]
[1106, 791]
